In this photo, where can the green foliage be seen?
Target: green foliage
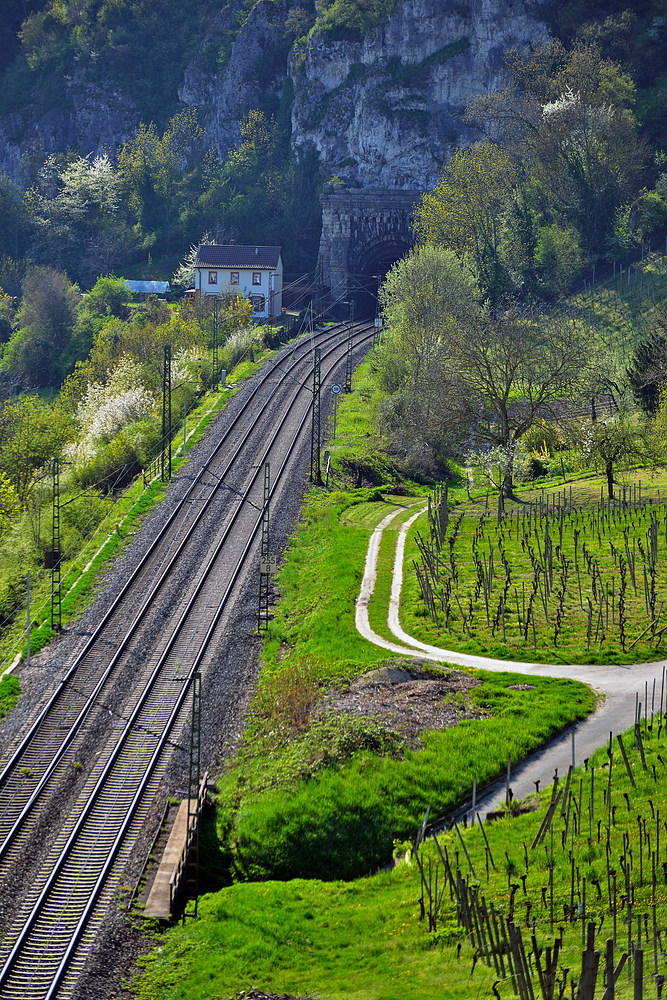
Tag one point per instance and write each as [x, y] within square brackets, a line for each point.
[136, 43]
[9, 694]
[558, 257]
[74, 215]
[107, 297]
[31, 433]
[7, 315]
[45, 320]
[116, 462]
[465, 210]
[9, 501]
[350, 19]
[647, 371]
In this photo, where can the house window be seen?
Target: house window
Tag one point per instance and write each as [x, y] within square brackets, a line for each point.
[258, 302]
[213, 277]
[233, 277]
[257, 277]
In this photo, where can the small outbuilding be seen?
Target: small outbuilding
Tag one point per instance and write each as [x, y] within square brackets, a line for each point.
[252, 271]
[142, 289]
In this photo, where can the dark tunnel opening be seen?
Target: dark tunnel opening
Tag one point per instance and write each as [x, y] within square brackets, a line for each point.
[372, 265]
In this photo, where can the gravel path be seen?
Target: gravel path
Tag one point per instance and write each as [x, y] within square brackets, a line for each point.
[616, 685]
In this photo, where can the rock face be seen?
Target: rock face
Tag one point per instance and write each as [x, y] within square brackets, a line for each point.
[254, 75]
[93, 117]
[384, 112]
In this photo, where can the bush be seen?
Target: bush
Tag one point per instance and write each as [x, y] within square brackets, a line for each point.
[558, 257]
[81, 516]
[115, 464]
[542, 437]
[350, 19]
[237, 348]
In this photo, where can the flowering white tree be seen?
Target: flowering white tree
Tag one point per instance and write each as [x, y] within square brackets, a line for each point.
[107, 407]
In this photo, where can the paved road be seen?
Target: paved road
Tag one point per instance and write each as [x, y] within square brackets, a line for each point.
[617, 685]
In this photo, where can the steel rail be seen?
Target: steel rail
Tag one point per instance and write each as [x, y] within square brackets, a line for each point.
[92, 697]
[153, 548]
[307, 342]
[135, 714]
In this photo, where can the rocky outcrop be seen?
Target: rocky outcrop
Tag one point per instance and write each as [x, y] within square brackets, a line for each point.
[92, 118]
[253, 74]
[384, 112]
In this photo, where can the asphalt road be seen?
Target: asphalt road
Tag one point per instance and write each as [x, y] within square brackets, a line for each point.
[617, 686]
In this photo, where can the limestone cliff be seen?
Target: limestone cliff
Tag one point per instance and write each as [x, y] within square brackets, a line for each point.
[253, 76]
[384, 112]
[381, 112]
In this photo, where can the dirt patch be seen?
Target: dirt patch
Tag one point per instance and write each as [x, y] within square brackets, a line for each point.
[410, 699]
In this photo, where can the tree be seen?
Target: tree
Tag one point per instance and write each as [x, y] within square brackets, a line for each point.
[454, 370]
[618, 440]
[151, 167]
[45, 321]
[107, 297]
[558, 257]
[648, 370]
[426, 298]
[9, 503]
[565, 116]
[74, 208]
[31, 433]
[7, 314]
[514, 368]
[466, 209]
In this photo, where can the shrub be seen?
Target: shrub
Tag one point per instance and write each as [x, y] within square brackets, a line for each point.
[350, 19]
[237, 347]
[287, 698]
[542, 437]
[115, 463]
[558, 257]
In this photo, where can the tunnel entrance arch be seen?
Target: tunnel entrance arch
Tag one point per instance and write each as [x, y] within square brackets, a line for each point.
[369, 269]
[363, 234]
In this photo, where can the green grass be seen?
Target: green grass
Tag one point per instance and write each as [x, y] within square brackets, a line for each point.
[319, 582]
[605, 545]
[288, 809]
[9, 694]
[617, 311]
[364, 939]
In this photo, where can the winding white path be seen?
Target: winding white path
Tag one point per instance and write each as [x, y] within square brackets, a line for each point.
[617, 683]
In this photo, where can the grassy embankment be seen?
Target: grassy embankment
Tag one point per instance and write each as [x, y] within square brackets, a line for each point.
[109, 526]
[365, 939]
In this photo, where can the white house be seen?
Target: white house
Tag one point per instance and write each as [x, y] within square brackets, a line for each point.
[251, 271]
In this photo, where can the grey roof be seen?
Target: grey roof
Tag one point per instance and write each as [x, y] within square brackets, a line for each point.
[147, 287]
[261, 258]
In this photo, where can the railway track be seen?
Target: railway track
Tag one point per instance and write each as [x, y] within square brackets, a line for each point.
[96, 750]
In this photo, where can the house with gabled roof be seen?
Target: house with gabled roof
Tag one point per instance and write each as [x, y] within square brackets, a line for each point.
[252, 271]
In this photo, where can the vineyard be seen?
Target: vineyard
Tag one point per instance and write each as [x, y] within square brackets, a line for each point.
[557, 577]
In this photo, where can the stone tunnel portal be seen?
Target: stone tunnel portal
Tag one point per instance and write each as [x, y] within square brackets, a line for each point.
[369, 271]
[363, 234]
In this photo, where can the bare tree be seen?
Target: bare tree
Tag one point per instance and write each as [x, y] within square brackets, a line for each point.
[514, 368]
